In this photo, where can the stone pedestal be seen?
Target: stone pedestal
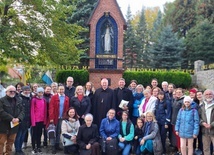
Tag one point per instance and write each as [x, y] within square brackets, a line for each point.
[198, 65]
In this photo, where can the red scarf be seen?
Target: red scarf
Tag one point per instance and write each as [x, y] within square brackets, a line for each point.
[80, 97]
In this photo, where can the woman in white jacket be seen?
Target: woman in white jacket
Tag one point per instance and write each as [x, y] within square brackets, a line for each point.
[147, 104]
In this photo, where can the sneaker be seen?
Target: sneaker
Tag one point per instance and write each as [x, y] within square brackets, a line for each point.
[34, 151]
[24, 145]
[39, 151]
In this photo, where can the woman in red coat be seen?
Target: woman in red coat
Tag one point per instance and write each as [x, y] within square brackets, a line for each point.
[58, 107]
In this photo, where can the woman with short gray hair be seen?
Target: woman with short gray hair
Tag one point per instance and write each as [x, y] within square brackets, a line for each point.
[88, 136]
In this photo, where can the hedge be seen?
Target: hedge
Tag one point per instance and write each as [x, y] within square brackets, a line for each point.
[179, 78]
[80, 76]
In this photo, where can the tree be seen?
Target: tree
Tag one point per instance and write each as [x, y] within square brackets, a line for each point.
[200, 41]
[167, 50]
[205, 10]
[130, 43]
[80, 16]
[182, 16]
[141, 38]
[37, 32]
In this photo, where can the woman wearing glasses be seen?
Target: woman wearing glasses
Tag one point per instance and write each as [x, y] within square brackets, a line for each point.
[151, 141]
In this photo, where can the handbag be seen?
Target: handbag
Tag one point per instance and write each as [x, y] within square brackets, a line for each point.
[66, 141]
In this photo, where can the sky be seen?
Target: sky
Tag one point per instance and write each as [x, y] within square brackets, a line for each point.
[136, 5]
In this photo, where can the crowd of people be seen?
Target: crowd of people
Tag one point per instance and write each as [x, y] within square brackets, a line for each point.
[83, 121]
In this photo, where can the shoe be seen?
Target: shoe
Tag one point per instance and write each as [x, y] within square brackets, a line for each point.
[17, 153]
[178, 153]
[21, 153]
[24, 145]
[39, 151]
[34, 151]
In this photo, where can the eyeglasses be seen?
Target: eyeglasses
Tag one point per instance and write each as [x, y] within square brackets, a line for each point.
[69, 81]
[12, 91]
[208, 94]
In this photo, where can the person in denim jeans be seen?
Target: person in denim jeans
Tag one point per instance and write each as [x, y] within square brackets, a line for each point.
[23, 128]
[126, 134]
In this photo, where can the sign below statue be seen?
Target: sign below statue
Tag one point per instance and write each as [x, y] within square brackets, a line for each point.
[105, 61]
[106, 56]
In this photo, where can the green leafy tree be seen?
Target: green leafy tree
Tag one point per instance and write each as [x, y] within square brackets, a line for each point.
[200, 42]
[167, 50]
[37, 32]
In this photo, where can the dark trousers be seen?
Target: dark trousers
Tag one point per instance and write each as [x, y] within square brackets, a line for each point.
[26, 138]
[37, 134]
[95, 150]
[45, 136]
[200, 143]
[163, 132]
[20, 136]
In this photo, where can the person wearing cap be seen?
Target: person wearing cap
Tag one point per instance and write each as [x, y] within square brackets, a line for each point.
[25, 95]
[11, 114]
[58, 107]
[206, 114]
[38, 119]
[187, 125]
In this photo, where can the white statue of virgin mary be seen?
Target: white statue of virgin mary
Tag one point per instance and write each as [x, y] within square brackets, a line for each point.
[107, 40]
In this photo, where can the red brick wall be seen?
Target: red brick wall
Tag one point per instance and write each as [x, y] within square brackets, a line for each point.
[95, 77]
[112, 7]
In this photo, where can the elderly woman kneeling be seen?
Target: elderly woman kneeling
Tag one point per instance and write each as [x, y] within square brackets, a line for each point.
[88, 136]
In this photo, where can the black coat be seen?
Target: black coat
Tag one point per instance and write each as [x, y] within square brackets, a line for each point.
[103, 101]
[7, 113]
[123, 94]
[69, 92]
[176, 106]
[26, 102]
[87, 135]
[82, 107]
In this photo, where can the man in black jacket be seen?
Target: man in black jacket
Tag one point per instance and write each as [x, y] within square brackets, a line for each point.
[123, 94]
[69, 88]
[11, 114]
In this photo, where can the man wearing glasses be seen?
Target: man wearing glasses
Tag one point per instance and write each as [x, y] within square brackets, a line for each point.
[206, 114]
[11, 114]
[69, 89]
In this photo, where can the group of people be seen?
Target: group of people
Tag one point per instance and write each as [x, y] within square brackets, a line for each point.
[107, 121]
